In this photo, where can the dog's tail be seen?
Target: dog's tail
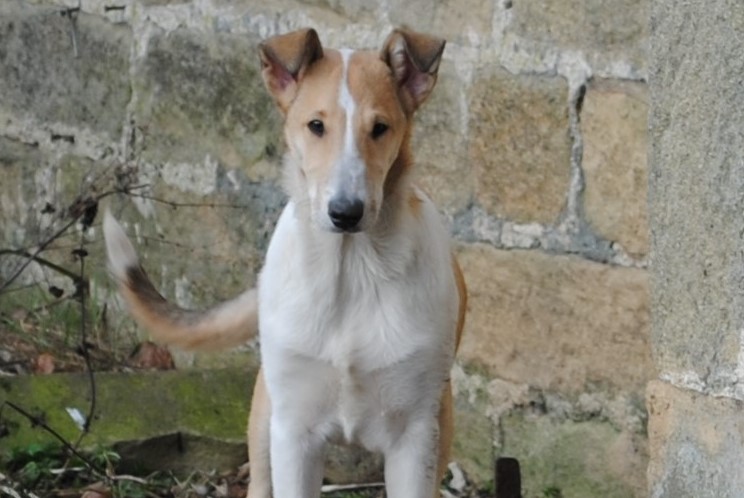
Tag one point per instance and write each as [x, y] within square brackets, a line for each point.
[225, 325]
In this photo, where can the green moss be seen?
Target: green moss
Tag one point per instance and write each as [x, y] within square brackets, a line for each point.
[473, 368]
[131, 406]
[565, 457]
[473, 443]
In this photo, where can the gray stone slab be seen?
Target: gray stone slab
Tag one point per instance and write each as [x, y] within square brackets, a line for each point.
[696, 185]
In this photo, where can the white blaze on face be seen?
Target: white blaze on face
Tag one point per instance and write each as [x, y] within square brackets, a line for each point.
[348, 179]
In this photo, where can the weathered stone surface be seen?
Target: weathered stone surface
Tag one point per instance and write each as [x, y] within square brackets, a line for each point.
[578, 459]
[696, 202]
[442, 169]
[614, 123]
[201, 96]
[37, 190]
[556, 322]
[520, 145]
[457, 21]
[695, 443]
[51, 76]
[606, 31]
[20, 193]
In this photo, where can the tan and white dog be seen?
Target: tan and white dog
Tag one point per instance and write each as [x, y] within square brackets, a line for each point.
[360, 303]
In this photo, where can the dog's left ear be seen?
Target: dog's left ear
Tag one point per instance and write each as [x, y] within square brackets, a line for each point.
[284, 61]
[414, 59]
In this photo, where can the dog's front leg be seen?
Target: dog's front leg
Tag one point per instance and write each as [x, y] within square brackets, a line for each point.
[296, 460]
[410, 463]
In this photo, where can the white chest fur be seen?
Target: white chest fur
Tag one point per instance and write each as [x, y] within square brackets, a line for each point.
[357, 335]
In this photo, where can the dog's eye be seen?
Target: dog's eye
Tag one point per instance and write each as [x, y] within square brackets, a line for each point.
[379, 130]
[317, 127]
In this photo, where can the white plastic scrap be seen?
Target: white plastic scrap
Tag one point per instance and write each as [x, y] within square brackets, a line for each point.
[77, 417]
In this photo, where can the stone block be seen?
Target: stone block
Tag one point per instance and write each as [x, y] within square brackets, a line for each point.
[54, 71]
[199, 97]
[614, 125]
[695, 444]
[556, 322]
[583, 459]
[695, 193]
[438, 150]
[605, 31]
[520, 146]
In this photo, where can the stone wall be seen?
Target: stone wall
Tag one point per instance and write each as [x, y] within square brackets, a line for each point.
[533, 145]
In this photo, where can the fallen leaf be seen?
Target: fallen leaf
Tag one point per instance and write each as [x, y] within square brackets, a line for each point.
[236, 491]
[97, 490]
[43, 364]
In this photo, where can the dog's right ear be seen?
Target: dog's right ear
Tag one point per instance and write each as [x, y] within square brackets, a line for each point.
[284, 60]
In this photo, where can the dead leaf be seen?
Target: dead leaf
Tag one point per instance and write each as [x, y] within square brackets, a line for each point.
[43, 364]
[236, 491]
[149, 355]
[97, 490]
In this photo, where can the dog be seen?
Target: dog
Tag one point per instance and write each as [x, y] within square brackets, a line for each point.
[361, 303]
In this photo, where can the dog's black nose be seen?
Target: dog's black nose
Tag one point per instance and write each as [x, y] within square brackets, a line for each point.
[346, 213]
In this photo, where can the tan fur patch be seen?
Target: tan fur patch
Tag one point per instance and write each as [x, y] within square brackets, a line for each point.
[462, 291]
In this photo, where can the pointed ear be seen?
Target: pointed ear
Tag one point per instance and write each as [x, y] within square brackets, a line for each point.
[284, 60]
[414, 59]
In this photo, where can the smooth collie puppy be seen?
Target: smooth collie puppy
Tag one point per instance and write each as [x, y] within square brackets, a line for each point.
[360, 303]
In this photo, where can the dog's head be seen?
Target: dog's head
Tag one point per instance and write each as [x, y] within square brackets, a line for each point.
[348, 117]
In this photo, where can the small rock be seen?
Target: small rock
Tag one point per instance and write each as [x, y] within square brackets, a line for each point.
[200, 489]
[5, 356]
[458, 481]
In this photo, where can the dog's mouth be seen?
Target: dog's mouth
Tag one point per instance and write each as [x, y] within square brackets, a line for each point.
[349, 231]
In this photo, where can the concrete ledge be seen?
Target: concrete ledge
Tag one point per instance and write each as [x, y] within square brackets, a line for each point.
[181, 412]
